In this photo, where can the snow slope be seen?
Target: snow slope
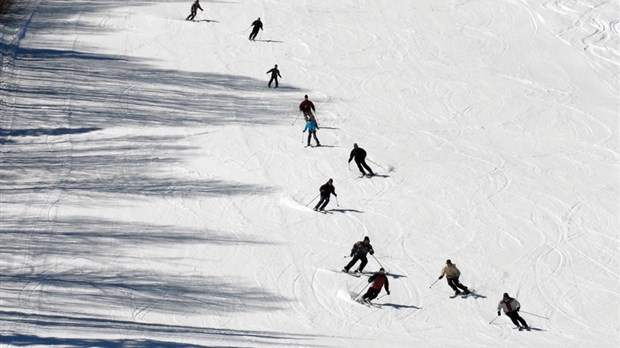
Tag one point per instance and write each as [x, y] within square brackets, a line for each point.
[153, 189]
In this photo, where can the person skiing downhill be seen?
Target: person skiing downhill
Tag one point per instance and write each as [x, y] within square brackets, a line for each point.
[312, 127]
[452, 276]
[195, 7]
[378, 280]
[306, 106]
[358, 252]
[511, 307]
[274, 76]
[257, 25]
[326, 190]
[360, 159]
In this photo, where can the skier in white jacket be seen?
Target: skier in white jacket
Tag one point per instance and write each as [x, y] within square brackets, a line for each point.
[511, 307]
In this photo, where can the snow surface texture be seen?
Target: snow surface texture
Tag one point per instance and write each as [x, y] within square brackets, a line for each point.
[154, 188]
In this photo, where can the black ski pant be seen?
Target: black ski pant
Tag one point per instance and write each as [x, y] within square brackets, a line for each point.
[361, 165]
[354, 260]
[273, 78]
[324, 199]
[455, 284]
[191, 15]
[371, 294]
[253, 34]
[516, 318]
[310, 135]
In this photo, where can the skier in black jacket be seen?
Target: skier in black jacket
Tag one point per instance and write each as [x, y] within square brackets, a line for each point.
[360, 159]
[195, 7]
[378, 280]
[358, 252]
[274, 75]
[325, 190]
[257, 25]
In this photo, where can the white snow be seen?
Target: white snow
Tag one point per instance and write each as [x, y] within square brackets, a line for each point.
[153, 189]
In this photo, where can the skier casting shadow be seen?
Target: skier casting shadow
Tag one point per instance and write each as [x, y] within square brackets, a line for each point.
[194, 9]
[312, 127]
[511, 307]
[360, 159]
[452, 276]
[274, 76]
[326, 190]
[358, 253]
[378, 280]
[256, 26]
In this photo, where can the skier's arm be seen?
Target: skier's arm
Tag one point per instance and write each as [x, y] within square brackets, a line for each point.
[387, 285]
[371, 251]
[443, 272]
[372, 278]
[351, 156]
[200, 7]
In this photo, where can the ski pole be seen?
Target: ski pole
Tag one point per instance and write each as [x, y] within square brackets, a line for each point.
[536, 315]
[359, 293]
[491, 322]
[302, 137]
[337, 204]
[375, 163]
[313, 199]
[380, 265]
[382, 296]
[433, 283]
[296, 118]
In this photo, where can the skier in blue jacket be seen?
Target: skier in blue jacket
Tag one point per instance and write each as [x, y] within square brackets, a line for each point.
[312, 127]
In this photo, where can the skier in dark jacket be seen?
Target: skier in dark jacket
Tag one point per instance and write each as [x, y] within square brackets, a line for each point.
[195, 7]
[326, 190]
[360, 159]
[306, 106]
[274, 75]
[257, 25]
[358, 252]
[379, 280]
[311, 127]
[511, 307]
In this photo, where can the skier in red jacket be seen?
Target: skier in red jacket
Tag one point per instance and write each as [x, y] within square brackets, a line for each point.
[306, 106]
[379, 280]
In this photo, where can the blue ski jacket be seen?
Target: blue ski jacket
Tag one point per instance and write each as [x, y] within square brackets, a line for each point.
[310, 126]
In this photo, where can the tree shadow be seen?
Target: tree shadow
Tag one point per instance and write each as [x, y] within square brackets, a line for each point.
[160, 335]
[129, 165]
[86, 90]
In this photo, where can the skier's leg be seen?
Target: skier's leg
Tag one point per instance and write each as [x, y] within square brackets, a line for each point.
[319, 204]
[276, 81]
[309, 137]
[521, 320]
[452, 285]
[359, 166]
[351, 263]
[363, 264]
[512, 316]
[461, 286]
[316, 139]
[324, 203]
[372, 293]
[367, 167]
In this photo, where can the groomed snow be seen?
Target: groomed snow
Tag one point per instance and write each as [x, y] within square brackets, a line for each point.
[154, 190]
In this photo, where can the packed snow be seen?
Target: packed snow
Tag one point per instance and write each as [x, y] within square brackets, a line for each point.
[155, 191]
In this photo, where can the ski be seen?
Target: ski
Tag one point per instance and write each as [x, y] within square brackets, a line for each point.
[356, 275]
[471, 292]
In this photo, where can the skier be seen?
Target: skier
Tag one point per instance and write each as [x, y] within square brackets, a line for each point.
[360, 159]
[306, 106]
[311, 127]
[274, 75]
[358, 252]
[378, 280]
[452, 276]
[326, 190]
[511, 307]
[257, 25]
[195, 7]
